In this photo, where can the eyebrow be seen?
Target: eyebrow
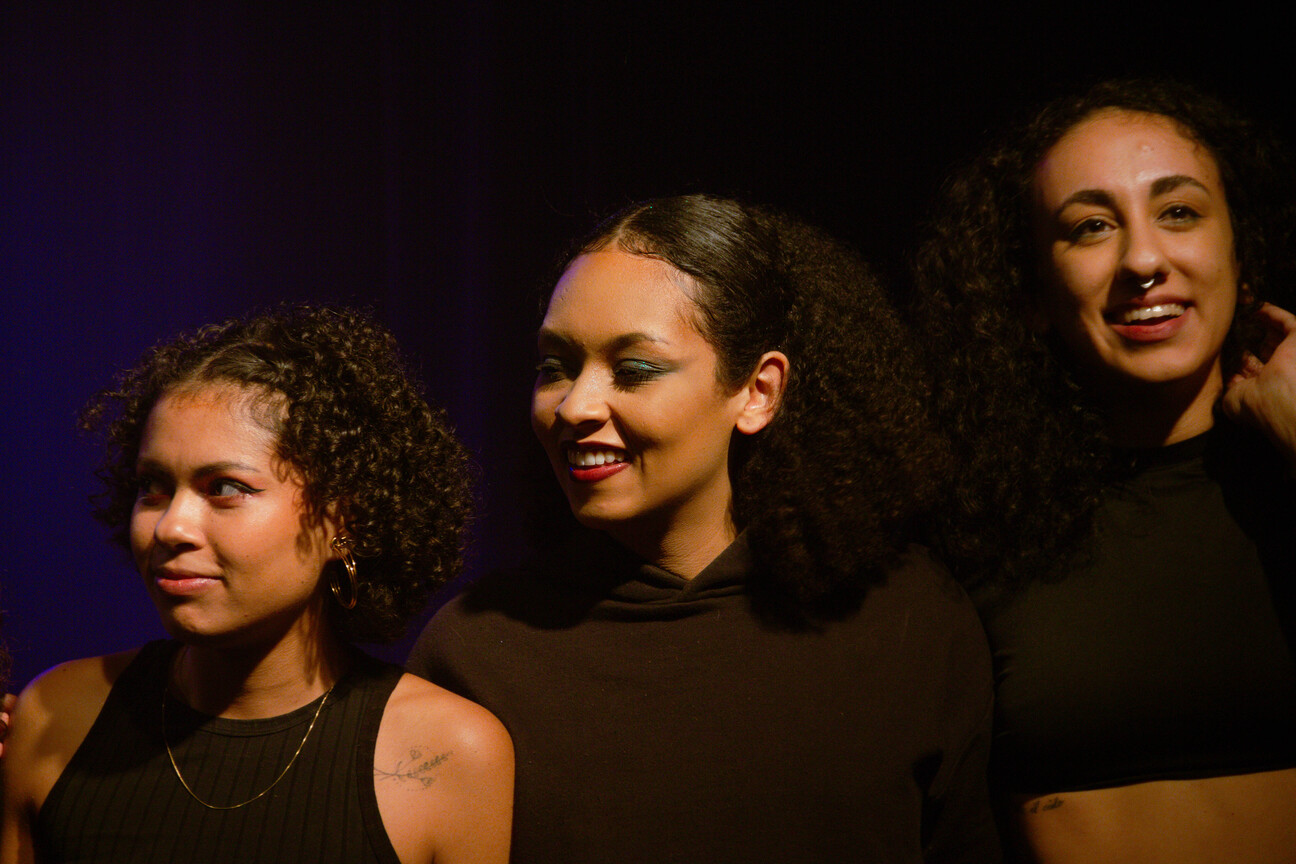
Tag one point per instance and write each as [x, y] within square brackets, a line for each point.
[146, 465]
[1162, 185]
[1101, 198]
[625, 340]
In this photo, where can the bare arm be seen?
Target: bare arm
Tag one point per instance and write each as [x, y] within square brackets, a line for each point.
[51, 719]
[6, 706]
[443, 774]
[15, 818]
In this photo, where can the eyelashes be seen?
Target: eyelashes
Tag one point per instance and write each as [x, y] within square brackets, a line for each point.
[626, 374]
[151, 489]
[549, 369]
[634, 372]
[1177, 216]
[147, 487]
[226, 487]
[1088, 229]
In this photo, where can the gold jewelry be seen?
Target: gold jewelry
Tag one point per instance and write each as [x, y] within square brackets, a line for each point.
[194, 795]
[342, 546]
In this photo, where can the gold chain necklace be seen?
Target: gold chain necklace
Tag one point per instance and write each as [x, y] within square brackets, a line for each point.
[194, 795]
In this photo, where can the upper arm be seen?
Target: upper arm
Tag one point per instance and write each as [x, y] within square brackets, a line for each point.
[16, 812]
[443, 774]
[53, 715]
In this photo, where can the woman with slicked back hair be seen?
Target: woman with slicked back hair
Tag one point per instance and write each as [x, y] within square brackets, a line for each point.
[734, 654]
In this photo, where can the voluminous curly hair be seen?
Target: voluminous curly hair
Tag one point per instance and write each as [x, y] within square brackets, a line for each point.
[1030, 445]
[348, 418]
[831, 490]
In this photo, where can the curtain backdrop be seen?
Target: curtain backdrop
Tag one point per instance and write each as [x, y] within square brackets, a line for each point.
[167, 165]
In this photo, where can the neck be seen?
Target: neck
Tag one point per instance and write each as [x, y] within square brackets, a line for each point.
[691, 558]
[684, 547]
[249, 682]
[1155, 415]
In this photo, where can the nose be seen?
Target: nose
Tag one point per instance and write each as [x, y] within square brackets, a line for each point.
[583, 403]
[1143, 260]
[178, 523]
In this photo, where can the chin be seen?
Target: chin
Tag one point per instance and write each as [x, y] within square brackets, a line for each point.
[1166, 373]
[597, 518]
[1150, 368]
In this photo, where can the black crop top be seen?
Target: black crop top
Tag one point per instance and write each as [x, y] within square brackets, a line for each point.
[1166, 651]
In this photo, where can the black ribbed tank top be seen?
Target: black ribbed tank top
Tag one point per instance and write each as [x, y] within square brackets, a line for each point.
[119, 799]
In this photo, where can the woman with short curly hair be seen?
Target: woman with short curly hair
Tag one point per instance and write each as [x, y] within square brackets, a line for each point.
[284, 490]
[737, 655]
[1095, 291]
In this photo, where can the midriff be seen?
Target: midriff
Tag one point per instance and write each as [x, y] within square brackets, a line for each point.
[1240, 819]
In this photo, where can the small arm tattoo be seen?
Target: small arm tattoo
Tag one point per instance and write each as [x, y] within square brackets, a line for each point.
[1051, 804]
[417, 768]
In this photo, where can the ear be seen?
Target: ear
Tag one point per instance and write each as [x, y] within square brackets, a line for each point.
[763, 393]
[334, 525]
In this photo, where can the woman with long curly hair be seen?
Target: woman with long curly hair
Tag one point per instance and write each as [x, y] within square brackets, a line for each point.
[284, 491]
[736, 655]
[1123, 403]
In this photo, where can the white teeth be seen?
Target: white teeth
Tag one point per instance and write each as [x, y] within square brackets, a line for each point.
[591, 458]
[1144, 313]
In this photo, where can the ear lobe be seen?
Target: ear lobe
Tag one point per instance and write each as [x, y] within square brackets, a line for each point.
[334, 524]
[763, 392]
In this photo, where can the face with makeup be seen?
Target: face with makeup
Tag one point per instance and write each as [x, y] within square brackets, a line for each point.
[220, 531]
[1136, 251]
[628, 405]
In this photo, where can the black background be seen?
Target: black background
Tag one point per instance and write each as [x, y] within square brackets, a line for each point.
[167, 165]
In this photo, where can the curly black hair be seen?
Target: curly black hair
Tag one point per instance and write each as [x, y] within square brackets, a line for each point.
[1031, 447]
[832, 489]
[348, 416]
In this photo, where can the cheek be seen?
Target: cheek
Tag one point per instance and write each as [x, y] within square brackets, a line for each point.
[141, 534]
[1071, 303]
[1075, 281]
[1226, 276]
[706, 431]
[542, 414]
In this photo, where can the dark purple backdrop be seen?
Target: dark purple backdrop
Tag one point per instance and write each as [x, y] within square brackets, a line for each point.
[166, 165]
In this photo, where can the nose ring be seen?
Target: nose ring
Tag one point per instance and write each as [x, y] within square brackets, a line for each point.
[1147, 283]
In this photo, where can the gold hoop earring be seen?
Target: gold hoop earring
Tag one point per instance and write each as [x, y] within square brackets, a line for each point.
[342, 546]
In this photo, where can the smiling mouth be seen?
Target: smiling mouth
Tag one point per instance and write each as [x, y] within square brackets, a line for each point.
[1147, 314]
[594, 457]
[177, 575]
[181, 584]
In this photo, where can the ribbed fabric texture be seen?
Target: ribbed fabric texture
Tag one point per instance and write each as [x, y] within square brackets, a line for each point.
[119, 799]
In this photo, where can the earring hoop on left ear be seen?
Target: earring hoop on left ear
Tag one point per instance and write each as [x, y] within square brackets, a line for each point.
[341, 544]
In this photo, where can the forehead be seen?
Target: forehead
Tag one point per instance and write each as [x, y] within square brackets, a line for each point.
[612, 292]
[1115, 148]
[211, 417]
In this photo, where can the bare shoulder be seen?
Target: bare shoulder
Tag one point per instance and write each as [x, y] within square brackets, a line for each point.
[443, 774]
[53, 716]
[57, 709]
[430, 735]
[74, 681]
